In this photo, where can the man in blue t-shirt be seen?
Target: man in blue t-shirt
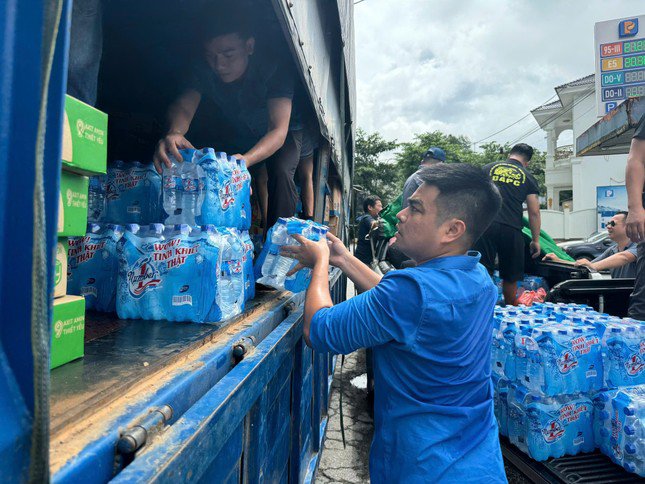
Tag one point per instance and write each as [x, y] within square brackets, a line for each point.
[252, 95]
[430, 328]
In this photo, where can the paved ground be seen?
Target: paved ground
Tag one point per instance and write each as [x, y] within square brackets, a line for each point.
[350, 464]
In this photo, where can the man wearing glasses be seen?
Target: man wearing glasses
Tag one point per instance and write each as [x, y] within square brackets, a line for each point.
[620, 258]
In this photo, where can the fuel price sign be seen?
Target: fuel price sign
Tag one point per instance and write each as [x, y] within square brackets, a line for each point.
[620, 61]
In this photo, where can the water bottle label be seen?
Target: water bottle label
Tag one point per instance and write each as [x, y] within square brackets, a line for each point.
[143, 276]
[182, 300]
[567, 362]
[89, 291]
[634, 365]
[226, 196]
[552, 432]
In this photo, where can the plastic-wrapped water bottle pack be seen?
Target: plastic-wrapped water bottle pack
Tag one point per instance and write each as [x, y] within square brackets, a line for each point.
[180, 273]
[92, 266]
[548, 362]
[132, 194]
[619, 426]
[271, 268]
[208, 187]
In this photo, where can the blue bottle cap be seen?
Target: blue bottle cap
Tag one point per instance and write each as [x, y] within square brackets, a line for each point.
[157, 228]
[630, 449]
[616, 330]
[562, 331]
[577, 330]
[629, 430]
[134, 228]
[629, 411]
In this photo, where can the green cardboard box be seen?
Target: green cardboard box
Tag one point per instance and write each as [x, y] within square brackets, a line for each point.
[68, 330]
[72, 205]
[60, 275]
[84, 138]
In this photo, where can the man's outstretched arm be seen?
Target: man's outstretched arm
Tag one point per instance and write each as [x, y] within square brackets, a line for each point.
[634, 181]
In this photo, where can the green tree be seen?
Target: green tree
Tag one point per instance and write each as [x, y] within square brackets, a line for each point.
[375, 175]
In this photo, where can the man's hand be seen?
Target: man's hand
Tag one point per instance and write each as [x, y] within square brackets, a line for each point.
[535, 249]
[338, 253]
[636, 225]
[551, 257]
[170, 145]
[585, 263]
[308, 253]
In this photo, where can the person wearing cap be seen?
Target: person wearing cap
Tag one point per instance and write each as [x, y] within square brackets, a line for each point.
[504, 239]
[431, 157]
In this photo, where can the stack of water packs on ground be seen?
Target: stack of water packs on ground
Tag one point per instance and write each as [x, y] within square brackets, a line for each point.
[183, 249]
[619, 426]
[271, 268]
[549, 363]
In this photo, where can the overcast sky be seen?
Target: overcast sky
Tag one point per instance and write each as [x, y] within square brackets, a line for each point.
[471, 67]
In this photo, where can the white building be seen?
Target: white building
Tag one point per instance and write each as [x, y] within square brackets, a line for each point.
[571, 181]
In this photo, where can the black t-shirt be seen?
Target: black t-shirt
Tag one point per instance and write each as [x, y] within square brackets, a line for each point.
[243, 103]
[515, 183]
[363, 250]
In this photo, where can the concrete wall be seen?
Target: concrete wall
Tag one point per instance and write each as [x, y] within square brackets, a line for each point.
[568, 224]
[590, 172]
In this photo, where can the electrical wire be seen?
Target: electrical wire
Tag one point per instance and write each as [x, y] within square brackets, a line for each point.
[552, 117]
[512, 124]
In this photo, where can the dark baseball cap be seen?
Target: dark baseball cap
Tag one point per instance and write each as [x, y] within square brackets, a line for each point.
[436, 153]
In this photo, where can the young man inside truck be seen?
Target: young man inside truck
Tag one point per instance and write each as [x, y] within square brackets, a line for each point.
[429, 327]
[253, 93]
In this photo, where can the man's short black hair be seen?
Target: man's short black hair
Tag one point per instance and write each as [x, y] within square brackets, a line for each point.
[370, 201]
[217, 20]
[466, 193]
[522, 149]
[622, 212]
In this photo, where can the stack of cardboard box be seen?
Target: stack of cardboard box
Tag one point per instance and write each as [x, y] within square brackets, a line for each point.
[84, 153]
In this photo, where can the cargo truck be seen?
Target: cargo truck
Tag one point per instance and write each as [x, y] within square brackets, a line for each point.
[238, 401]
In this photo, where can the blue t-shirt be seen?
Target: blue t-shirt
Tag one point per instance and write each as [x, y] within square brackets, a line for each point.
[430, 328]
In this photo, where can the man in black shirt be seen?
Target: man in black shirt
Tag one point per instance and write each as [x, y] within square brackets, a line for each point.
[371, 206]
[253, 96]
[504, 237]
[635, 182]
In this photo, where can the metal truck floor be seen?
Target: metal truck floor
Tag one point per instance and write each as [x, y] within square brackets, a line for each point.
[580, 469]
[119, 353]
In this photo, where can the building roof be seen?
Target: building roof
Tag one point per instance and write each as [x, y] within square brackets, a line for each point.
[557, 104]
[583, 81]
[545, 107]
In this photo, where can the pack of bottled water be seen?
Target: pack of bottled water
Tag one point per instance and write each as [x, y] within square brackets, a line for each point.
[131, 191]
[548, 350]
[96, 199]
[92, 266]
[180, 273]
[208, 188]
[619, 426]
[271, 268]
[545, 427]
[549, 361]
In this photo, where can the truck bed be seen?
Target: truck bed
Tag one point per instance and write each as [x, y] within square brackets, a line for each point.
[120, 353]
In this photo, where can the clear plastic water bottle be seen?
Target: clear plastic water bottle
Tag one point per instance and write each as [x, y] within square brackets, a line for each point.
[274, 263]
[231, 280]
[96, 202]
[183, 191]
